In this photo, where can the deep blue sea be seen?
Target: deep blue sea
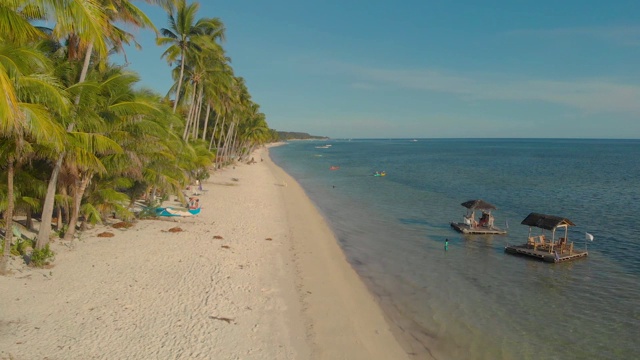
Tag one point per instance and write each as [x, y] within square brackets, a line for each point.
[474, 301]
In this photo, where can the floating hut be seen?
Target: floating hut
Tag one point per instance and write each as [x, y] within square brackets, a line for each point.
[545, 246]
[484, 225]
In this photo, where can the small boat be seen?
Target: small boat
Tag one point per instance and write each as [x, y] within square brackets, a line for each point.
[483, 226]
[542, 247]
[334, 168]
[380, 173]
[169, 211]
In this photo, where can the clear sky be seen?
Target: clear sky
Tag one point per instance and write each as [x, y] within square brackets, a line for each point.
[433, 69]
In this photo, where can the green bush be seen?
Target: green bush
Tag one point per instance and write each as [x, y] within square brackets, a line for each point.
[42, 257]
[20, 246]
[60, 233]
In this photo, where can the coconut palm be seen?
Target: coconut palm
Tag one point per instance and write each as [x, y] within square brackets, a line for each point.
[241, 101]
[253, 131]
[187, 35]
[38, 97]
[91, 25]
[124, 117]
[203, 74]
[154, 155]
[217, 85]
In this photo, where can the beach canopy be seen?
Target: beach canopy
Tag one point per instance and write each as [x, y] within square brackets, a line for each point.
[547, 222]
[478, 204]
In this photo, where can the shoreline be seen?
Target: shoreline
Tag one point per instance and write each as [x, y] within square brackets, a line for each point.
[416, 342]
[275, 286]
[339, 299]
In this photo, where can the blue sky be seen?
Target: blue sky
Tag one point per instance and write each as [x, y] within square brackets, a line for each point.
[432, 69]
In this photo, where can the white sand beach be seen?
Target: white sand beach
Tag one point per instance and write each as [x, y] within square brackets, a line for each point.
[258, 274]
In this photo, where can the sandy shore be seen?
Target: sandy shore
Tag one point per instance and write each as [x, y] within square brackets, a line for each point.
[257, 275]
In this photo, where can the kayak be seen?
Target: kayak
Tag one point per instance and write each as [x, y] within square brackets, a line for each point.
[177, 212]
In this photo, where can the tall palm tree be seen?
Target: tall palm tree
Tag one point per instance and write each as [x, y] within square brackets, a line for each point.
[217, 85]
[84, 21]
[213, 79]
[116, 103]
[202, 74]
[187, 35]
[253, 131]
[92, 23]
[38, 97]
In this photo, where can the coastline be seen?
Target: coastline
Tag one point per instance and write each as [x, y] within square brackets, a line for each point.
[344, 320]
[276, 286]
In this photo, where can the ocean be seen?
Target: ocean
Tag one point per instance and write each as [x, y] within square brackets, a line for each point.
[474, 301]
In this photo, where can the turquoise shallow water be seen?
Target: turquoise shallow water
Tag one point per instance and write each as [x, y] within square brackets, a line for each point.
[474, 301]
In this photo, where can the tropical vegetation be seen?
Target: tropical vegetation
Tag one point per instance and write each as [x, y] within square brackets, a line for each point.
[81, 141]
[289, 135]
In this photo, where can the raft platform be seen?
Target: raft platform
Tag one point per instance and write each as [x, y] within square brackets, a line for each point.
[544, 255]
[477, 230]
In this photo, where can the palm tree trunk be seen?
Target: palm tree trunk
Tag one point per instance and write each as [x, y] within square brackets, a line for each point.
[175, 102]
[220, 137]
[188, 123]
[75, 211]
[218, 149]
[227, 143]
[59, 218]
[195, 120]
[206, 122]
[64, 217]
[8, 218]
[29, 221]
[85, 70]
[234, 143]
[244, 149]
[252, 148]
[223, 149]
[196, 129]
[213, 134]
[47, 207]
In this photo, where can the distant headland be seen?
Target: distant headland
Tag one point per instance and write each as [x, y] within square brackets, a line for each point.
[288, 135]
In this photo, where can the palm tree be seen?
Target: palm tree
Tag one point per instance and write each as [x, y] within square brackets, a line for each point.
[187, 35]
[115, 103]
[92, 24]
[253, 131]
[37, 97]
[217, 85]
[202, 76]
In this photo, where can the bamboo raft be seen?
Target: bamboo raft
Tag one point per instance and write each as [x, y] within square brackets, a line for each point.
[483, 226]
[544, 254]
[539, 247]
[477, 230]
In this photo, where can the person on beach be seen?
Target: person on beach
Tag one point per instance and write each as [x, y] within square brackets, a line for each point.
[446, 244]
[194, 203]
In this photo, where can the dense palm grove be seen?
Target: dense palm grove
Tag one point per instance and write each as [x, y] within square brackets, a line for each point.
[80, 141]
